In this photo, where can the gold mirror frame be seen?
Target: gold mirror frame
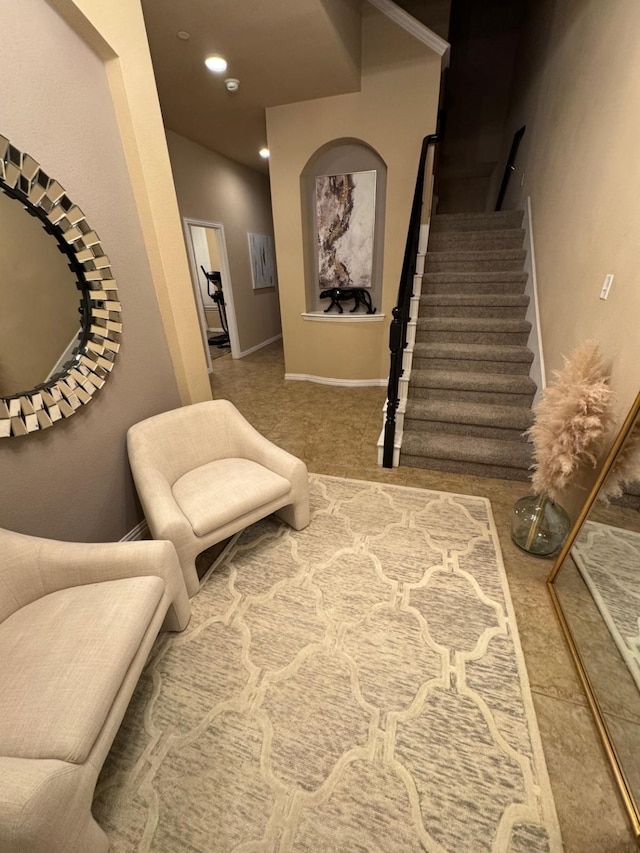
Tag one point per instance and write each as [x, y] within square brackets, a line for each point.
[633, 807]
[99, 336]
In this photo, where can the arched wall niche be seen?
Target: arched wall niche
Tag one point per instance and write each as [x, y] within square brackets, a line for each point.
[339, 157]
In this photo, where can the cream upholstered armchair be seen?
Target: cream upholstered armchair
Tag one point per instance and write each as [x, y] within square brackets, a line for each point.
[77, 623]
[203, 473]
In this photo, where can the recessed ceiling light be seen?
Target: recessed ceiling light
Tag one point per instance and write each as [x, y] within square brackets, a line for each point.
[264, 153]
[216, 64]
[185, 36]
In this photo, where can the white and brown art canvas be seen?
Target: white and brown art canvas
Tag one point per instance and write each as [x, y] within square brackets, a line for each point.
[345, 217]
[263, 264]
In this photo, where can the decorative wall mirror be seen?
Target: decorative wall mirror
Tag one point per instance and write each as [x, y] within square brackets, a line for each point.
[60, 323]
[595, 587]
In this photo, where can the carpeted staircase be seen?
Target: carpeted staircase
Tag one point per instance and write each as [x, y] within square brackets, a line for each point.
[630, 496]
[470, 394]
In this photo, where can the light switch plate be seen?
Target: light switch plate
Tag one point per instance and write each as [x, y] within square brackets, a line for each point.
[606, 287]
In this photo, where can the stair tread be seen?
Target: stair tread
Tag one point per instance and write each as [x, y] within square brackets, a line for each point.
[508, 383]
[482, 231]
[479, 324]
[464, 221]
[452, 411]
[475, 299]
[497, 277]
[478, 255]
[473, 352]
[488, 451]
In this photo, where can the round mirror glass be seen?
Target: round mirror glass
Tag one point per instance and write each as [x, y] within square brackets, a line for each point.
[40, 322]
[60, 322]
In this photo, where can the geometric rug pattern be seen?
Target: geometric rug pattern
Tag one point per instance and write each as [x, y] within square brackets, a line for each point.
[355, 686]
[609, 560]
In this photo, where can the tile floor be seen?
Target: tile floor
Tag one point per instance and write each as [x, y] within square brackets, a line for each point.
[335, 430]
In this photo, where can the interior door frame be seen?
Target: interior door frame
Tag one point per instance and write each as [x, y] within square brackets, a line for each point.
[227, 287]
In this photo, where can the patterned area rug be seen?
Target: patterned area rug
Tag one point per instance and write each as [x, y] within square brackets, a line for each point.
[356, 686]
[608, 559]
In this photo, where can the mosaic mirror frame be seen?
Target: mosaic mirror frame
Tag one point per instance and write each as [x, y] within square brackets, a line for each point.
[98, 343]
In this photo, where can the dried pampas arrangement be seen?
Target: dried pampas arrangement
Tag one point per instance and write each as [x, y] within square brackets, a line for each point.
[626, 468]
[571, 421]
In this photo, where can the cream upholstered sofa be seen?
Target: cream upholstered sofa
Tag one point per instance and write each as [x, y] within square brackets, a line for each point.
[77, 623]
[203, 473]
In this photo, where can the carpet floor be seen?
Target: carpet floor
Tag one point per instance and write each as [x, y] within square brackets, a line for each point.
[356, 686]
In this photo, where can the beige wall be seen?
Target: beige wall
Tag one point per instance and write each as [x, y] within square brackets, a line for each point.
[577, 92]
[39, 300]
[212, 188]
[394, 110]
[115, 30]
[73, 481]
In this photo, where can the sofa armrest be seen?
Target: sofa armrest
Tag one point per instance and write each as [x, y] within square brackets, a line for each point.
[161, 511]
[35, 567]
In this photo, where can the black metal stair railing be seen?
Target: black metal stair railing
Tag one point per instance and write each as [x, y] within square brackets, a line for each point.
[398, 328]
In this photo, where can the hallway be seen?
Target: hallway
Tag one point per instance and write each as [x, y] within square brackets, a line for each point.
[334, 430]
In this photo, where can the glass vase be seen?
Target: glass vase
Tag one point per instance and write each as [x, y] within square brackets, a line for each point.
[539, 525]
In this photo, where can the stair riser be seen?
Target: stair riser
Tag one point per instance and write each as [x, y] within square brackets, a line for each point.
[432, 336]
[435, 264]
[465, 365]
[477, 222]
[473, 469]
[505, 312]
[476, 288]
[630, 501]
[477, 430]
[450, 241]
[461, 395]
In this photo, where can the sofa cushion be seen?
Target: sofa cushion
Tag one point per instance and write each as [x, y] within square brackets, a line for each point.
[62, 661]
[221, 491]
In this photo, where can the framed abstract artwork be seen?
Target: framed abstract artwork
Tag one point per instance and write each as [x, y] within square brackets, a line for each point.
[262, 258]
[345, 219]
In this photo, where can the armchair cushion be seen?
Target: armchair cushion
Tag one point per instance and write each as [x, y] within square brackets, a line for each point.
[218, 492]
[63, 659]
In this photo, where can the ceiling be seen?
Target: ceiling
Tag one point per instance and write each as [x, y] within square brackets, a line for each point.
[281, 51]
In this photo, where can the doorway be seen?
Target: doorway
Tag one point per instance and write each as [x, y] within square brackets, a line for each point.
[207, 251]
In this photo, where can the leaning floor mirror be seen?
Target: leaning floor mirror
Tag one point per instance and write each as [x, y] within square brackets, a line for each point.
[595, 587]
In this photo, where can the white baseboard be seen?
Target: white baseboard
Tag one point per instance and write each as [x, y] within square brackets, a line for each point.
[258, 346]
[140, 531]
[326, 380]
[348, 317]
[534, 343]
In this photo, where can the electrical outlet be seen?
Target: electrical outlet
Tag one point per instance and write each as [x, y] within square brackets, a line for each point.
[606, 287]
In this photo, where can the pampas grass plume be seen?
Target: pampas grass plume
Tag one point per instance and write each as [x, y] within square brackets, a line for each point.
[626, 468]
[571, 420]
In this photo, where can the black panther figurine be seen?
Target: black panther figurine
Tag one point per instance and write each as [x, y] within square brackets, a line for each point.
[344, 294]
